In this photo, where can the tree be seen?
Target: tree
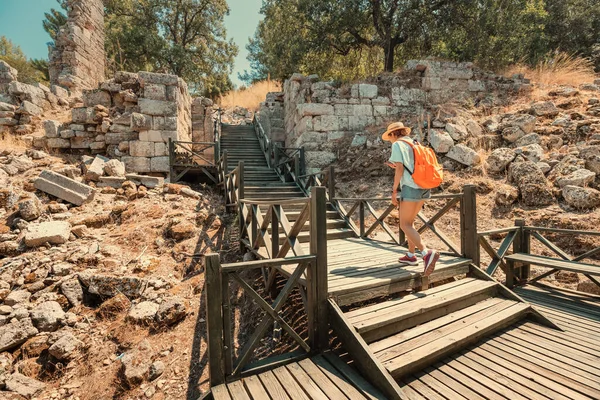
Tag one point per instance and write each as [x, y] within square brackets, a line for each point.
[54, 20]
[182, 37]
[14, 56]
[42, 66]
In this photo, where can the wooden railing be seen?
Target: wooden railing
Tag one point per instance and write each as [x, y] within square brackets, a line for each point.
[324, 178]
[289, 162]
[233, 185]
[186, 156]
[358, 212]
[223, 363]
[519, 239]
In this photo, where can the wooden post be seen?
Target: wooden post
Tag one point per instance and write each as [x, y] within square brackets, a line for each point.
[302, 161]
[274, 149]
[317, 289]
[275, 231]
[214, 319]
[331, 182]
[240, 197]
[521, 244]
[297, 166]
[361, 218]
[224, 172]
[171, 159]
[468, 224]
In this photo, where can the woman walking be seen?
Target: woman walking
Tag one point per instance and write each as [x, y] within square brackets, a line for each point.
[412, 196]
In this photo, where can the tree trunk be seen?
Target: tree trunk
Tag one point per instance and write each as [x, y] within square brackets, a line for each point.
[389, 51]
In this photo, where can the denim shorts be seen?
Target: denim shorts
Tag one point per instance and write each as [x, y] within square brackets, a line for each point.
[409, 193]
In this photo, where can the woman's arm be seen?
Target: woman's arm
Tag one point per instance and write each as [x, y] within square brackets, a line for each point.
[397, 179]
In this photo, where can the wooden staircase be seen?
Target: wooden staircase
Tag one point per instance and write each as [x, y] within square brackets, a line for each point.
[409, 333]
[264, 183]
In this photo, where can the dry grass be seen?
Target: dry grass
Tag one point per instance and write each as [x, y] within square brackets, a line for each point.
[562, 69]
[250, 97]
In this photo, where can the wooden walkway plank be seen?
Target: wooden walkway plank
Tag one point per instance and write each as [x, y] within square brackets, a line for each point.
[423, 389]
[337, 378]
[220, 392]
[365, 387]
[534, 374]
[322, 380]
[439, 387]
[573, 341]
[445, 331]
[471, 381]
[430, 326]
[310, 387]
[255, 387]
[272, 385]
[238, 391]
[289, 383]
[417, 358]
[454, 386]
[525, 386]
[573, 380]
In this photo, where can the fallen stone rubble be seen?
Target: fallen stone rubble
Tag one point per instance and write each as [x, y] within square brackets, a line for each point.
[64, 281]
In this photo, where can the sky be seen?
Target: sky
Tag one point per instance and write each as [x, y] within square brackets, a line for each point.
[21, 22]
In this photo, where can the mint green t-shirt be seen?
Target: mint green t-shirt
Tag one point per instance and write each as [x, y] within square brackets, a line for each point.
[403, 153]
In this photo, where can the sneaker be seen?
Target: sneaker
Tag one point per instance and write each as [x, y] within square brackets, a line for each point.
[406, 260]
[429, 260]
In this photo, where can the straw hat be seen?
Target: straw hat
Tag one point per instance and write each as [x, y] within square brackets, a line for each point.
[396, 126]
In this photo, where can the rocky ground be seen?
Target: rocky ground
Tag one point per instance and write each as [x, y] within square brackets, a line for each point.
[537, 159]
[102, 300]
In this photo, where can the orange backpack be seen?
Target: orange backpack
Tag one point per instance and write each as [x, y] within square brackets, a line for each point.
[428, 173]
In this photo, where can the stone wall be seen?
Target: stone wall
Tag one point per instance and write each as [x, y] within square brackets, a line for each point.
[77, 59]
[131, 117]
[272, 115]
[203, 128]
[21, 105]
[318, 114]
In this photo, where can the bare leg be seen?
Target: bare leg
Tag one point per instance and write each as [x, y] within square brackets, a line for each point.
[408, 212]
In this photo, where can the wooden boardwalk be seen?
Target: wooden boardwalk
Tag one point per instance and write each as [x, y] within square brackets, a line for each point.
[457, 334]
[526, 360]
[320, 377]
[360, 269]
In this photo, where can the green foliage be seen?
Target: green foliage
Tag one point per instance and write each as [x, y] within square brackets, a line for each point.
[14, 56]
[42, 66]
[348, 39]
[182, 37]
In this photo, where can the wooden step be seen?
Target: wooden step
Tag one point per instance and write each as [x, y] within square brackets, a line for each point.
[387, 318]
[276, 185]
[331, 224]
[332, 234]
[422, 351]
[292, 216]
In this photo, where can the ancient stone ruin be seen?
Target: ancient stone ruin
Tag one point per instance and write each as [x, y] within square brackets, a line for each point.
[319, 113]
[77, 58]
[131, 117]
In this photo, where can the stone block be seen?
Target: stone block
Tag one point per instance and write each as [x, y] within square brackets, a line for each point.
[111, 181]
[95, 169]
[367, 91]
[343, 109]
[149, 181]
[166, 135]
[8, 122]
[327, 123]
[116, 137]
[476, 86]
[160, 150]
[64, 188]
[59, 91]
[151, 136]
[15, 334]
[83, 115]
[314, 109]
[363, 110]
[457, 132]
[431, 83]
[93, 98]
[155, 91]
[52, 128]
[464, 155]
[137, 164]
[440, 141]
[58, 143]
[159, 79]
[28, 108]
[141, 122]
[360, 123]
[25, 91]
[159, 164]
[81, 142]
[381, 111]
[54, 232]
[157, 107]
[120, 128]
[141, 149]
